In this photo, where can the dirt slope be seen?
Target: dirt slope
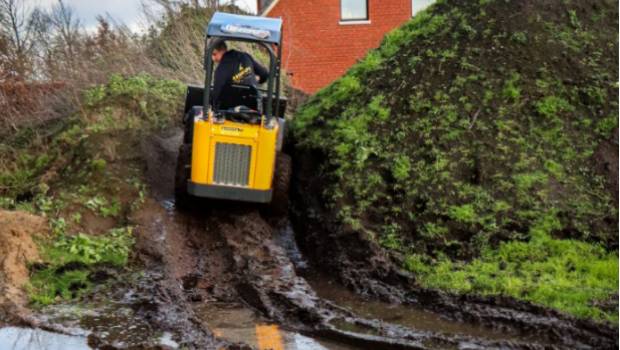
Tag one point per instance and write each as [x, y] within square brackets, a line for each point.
[17, 250]
[474, 118]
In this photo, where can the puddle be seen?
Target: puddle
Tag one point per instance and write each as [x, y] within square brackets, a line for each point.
[14, 338]
[115, 325]
[236, 323]
[120, 322]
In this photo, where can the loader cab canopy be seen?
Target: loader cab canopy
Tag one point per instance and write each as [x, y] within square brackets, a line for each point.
[266, 32]
[238, 27]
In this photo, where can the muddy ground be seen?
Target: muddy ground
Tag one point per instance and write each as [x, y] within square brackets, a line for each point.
[339, 292]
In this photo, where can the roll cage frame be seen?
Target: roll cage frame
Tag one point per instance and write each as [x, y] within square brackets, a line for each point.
[275, 58]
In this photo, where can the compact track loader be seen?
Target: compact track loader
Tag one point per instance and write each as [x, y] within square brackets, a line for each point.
[236, 154]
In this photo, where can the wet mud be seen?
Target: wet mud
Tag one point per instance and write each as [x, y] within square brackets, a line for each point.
[228, 276]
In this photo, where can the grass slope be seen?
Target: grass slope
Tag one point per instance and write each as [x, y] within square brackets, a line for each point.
[84, 172]
[468, 142]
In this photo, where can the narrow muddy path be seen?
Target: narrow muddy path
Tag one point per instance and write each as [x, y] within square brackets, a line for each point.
[226, 276]
[230, 261]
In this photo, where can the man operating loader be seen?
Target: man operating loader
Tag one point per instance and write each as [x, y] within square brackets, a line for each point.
[232, 144]
[234, 68]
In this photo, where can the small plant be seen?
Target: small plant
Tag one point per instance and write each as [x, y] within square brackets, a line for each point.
[101, 205]
[511, 90]
[434, 230]
[463, 213]
[391, 237]
[69, 260]
[519, 37]
[402, 168]
[98, 164]
[550, 106]
[574, 20]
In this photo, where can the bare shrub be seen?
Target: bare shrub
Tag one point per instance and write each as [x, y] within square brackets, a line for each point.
[47, 58]
[31, 103]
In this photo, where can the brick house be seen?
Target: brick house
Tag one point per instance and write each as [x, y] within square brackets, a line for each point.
[323, 38]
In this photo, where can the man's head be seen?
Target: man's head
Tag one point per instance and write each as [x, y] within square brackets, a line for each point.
[219, 50]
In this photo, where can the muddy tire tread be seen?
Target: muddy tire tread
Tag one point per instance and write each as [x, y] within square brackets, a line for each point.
[182, 198]
[281, 184]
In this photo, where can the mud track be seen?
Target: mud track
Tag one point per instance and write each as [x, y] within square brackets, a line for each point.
[231, 255]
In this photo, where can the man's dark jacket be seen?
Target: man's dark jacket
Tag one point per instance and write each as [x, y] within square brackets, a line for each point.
[237, 68]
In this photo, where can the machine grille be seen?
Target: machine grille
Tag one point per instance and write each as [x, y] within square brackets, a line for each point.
[232, 164]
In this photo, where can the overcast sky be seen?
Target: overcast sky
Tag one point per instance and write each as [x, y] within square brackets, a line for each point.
[128, 12]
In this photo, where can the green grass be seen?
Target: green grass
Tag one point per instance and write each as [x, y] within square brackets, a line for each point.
[69, 260]
[568, 275]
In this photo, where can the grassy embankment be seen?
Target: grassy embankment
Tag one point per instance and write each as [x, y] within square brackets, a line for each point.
[84, 173]
[468, 142]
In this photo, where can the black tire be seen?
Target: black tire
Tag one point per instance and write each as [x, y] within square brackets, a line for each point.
[183, 171]
[281, 184]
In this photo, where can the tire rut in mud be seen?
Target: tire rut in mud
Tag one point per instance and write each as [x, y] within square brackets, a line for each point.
[170, 258]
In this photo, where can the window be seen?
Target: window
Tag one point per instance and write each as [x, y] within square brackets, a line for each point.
[419, 5]
[354, 10]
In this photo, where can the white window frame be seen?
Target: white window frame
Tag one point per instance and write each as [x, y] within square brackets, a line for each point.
[360, 20]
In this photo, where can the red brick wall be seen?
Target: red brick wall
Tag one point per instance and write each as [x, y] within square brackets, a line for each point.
[318, 50]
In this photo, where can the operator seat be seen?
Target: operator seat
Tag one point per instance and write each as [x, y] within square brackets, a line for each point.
[239, 95]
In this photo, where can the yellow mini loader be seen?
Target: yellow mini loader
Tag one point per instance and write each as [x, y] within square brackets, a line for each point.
[236, 154]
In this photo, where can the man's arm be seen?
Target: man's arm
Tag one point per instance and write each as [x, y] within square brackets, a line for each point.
[260, 71]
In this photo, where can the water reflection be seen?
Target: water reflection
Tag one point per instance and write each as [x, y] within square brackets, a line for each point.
[14, 338]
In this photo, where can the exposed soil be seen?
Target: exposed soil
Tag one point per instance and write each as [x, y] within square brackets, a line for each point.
[17, 250]
[606, 163]
[93, 224]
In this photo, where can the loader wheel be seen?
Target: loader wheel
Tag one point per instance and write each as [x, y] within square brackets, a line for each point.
[182, 198]
[281, 184]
